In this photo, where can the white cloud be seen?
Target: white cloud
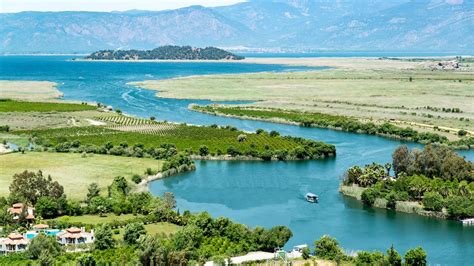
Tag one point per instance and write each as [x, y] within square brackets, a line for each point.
[103, 5]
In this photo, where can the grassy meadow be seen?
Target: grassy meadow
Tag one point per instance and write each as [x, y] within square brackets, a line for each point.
[21, 106]
[366, 89]
[73, 171]
[153, 229]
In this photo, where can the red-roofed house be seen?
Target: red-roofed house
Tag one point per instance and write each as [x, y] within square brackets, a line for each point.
[13, 243]
[75, 236]
[18, 208]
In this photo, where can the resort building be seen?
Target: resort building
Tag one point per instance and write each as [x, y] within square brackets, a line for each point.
[75, 236]
[13, 243]
[19, 209]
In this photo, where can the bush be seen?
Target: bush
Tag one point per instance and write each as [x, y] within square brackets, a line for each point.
[274, 133]
[203, 150]
[328, 248]
[103, 238]
[394, 257]
[137, 179]
[233, 151]
[132, 232]
[4, 128]
[433, 201]
[369, 195]
[462, 133]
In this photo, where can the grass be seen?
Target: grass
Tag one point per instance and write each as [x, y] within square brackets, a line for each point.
[154, 229]
[71, 170]
[20, 106]
[96, 219]
[366, 89]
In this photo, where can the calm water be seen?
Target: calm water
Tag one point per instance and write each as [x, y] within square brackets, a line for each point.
[258, 193]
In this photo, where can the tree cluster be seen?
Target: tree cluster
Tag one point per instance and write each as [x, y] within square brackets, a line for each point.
[168, 52]
[436, 176]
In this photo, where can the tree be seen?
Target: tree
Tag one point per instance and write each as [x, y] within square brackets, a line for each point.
[394, 257]
[86, 260]
[305, 253]
[45, 259]
[203, 150]
[31, 186]
[132, 232]
[104, 237]
[119, 187]
[388, 166]
[92, 192]
[433, 201]
[147, 246]
[327, 248]
[401, 160]
[274, 133]
[170, 201]
[415, 257]
[47, 208]
[43, 243]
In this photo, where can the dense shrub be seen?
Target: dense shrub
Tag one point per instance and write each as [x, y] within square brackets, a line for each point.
[433, 201]
[328, 248]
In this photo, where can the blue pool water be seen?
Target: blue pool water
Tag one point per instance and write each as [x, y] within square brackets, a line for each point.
[258, 193]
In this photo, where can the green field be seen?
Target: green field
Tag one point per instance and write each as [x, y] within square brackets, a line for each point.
[154, 229]
[73, 171]
[381, 90]
[153, 134]
[96, 219]
[20, 106]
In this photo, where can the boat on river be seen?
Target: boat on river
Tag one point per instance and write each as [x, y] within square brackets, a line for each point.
[310, 197]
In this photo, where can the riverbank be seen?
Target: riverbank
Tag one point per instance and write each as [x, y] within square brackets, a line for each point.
[412, 207]
[306, 119]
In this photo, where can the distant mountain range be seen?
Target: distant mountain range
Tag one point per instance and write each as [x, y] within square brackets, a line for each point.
[296, 25]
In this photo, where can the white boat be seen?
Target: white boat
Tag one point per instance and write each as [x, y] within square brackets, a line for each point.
[310, 197]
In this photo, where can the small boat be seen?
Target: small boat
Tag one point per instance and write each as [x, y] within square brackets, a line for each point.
[310, 197]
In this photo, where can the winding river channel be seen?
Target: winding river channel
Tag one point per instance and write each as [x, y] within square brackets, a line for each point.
[258, 193]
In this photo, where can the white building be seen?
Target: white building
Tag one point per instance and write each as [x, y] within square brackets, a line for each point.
[13, 243]
[75, 236]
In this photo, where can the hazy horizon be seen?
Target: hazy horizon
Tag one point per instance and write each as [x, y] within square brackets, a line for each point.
[16, 6]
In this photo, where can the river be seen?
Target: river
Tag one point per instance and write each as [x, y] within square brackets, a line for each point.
[258, 193]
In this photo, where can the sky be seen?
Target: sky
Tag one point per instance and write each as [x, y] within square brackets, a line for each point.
[9, 6]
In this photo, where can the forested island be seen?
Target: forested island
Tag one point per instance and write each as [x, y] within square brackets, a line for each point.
[168, 52]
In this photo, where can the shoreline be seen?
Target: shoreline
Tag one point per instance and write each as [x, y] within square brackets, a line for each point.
[410, 207]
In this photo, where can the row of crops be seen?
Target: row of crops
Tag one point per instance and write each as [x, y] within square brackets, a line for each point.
[149, 134]
[183, 137]
[125, 120]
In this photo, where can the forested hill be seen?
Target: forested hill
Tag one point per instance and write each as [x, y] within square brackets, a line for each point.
[168, 52]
